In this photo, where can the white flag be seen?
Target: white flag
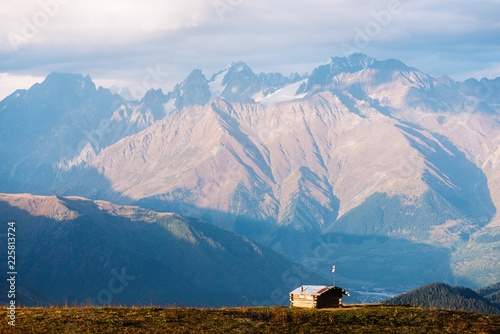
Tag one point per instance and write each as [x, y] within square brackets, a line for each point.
[333, 269]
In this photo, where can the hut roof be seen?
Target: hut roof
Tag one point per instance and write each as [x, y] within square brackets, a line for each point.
[316, 290]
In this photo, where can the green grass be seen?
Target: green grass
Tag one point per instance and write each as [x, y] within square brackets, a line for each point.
[350, 319]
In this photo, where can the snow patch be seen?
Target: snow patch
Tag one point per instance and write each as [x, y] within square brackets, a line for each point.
[284, 94]
[328, 62]
[215, 86]
[169, 107]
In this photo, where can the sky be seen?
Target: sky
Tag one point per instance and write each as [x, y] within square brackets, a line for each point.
[156, 44]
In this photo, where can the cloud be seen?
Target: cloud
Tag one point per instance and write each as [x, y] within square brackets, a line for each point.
[7, 81]
[117, 40]
[92, 22]
[491, 72]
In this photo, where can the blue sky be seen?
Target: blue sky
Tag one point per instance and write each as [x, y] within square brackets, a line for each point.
[121, 42]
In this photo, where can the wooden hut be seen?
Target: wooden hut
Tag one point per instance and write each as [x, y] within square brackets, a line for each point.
[317, 296]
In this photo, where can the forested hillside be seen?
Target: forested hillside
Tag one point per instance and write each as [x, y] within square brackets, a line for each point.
[444, 296]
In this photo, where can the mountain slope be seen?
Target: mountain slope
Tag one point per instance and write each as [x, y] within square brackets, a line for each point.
[491, 293]
[443, 296]
[71, 248]
[63, 122]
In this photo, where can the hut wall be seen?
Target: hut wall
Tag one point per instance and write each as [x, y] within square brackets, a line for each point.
[308, 301]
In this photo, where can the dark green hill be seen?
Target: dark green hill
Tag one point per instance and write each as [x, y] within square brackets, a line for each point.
[444, 296]
[75, 249]
[491, 293]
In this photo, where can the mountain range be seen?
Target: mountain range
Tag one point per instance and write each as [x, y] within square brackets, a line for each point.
[389, 173]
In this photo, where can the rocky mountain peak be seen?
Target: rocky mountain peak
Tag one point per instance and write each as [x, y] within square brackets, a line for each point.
[352, 63]
[238, 71]
[193, 90]
[68, 81]
[153, 96]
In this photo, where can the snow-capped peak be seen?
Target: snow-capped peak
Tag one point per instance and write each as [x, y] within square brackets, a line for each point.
[216, 85]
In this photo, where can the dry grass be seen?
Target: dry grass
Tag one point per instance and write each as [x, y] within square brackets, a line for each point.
[357, 319]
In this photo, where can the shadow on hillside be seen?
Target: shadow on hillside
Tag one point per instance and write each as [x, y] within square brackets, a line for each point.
[88, 183]
[252, 228]
[452, 175]
[94, 258]
[364, 261]
[283, 239]
[232, 126]
[348, 102]
[104, 258]
[82, 182]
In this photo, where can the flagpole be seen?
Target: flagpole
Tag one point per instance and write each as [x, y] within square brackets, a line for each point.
[333, 270]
